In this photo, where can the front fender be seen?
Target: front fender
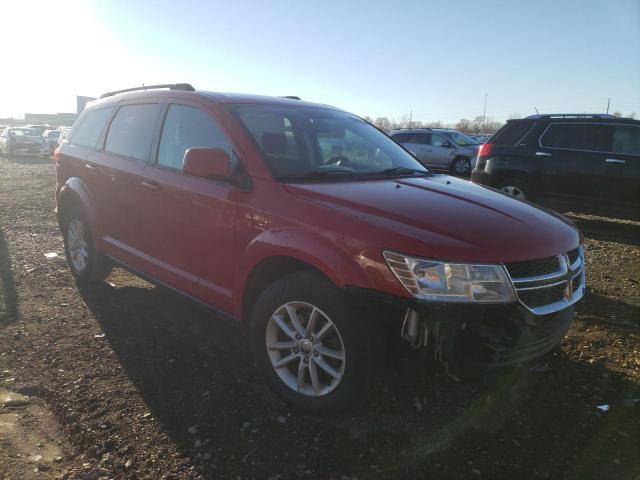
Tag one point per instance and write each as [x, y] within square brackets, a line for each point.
[75, 191]
[303, 245]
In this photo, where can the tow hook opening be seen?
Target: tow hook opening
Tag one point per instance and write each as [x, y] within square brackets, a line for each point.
[435, 336]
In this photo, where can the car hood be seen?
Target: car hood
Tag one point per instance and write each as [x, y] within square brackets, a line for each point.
[445, 217]
[27, 140]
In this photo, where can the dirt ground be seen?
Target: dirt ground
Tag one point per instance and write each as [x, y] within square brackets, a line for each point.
[124, 381]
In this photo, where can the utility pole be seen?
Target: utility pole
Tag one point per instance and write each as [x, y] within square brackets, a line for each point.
[608, 105]
[484, 112]
[410, 118]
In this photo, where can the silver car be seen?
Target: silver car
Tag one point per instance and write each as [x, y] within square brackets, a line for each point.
[16, 141]
[439, 148]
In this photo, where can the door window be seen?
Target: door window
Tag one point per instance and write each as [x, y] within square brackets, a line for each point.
[626, 139]
[131, 131]
[420, 138]
[188, 127]
[89, 130]
[438, 140]
[578, 136]
[400, 137]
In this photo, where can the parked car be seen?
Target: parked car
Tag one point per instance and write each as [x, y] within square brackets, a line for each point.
[52, 137]
[15, 141]
[39, 128]
[64, 133]
[586, 162]
[439, 149]
[315, 233]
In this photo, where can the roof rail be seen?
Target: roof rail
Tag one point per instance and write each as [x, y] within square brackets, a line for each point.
[571, 115]
[292, 97]
[186, 87]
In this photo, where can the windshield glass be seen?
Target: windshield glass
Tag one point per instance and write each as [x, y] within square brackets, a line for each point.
[307, 142]
[461, 139]
[23, 132]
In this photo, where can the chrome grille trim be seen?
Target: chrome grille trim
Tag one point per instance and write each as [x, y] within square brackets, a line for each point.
[565, 275]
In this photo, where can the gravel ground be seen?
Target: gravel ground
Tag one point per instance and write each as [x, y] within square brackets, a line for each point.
[123, 380]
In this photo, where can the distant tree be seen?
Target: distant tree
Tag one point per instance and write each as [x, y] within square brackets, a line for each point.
[368, 119]
[464, 126]
[514, 116]
[617, 114]
[383, 123]
[632, 115]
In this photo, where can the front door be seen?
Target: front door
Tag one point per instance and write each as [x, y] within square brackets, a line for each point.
[188, 222]
[418, 143]
[441, 151]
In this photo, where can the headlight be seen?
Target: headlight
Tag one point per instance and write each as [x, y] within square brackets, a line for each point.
[451, 282]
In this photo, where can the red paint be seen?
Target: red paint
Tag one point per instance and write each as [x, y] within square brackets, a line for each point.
[205, 237]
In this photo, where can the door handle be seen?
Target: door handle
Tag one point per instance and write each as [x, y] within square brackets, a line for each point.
[90, 168]
[542, 154]
[151, 185]
[615, 160]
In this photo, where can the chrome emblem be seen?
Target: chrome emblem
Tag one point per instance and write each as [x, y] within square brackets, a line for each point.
[568, 291]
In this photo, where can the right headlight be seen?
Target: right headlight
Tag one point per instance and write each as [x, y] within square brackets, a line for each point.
[451, 282]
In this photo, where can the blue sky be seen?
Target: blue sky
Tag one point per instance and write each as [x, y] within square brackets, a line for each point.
[373, 58]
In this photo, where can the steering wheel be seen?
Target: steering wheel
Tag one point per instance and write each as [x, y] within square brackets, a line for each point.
[339, 160]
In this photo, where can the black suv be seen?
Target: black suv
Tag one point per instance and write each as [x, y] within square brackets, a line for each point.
[584, 162]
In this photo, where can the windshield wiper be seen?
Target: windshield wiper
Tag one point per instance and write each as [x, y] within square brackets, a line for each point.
[404, 171]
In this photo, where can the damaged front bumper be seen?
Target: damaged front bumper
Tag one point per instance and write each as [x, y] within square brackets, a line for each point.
[472, 336]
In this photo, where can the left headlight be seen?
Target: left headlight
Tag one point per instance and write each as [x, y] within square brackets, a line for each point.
[451, 282]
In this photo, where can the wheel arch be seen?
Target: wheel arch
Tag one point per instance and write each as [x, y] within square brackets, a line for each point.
[75, 192]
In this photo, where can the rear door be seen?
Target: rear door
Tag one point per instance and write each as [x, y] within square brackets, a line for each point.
[623, 165]
[418, 143]
[440, 156]
[118, 166]
[573, 157]
[189, 222]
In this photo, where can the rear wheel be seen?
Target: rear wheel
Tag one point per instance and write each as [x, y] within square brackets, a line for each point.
[461, 166]
[87, 265]
[515, 187]
[310, 344]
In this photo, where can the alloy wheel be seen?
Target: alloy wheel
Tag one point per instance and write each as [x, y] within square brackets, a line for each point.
[78, 247]
[305, 349]
[513, 191]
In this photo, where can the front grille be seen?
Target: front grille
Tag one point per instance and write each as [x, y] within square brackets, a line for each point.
[549, 284]
[542, 296]
[533, 268]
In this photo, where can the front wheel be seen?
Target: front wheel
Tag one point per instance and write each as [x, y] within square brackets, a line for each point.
[310, 344]
[515, 187]
[461, 166]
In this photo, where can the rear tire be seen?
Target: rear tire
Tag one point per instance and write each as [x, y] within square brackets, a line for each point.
[310, 370]
[516, 188]
[86, 264]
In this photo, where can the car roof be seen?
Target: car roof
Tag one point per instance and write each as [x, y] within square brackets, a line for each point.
[218, 97]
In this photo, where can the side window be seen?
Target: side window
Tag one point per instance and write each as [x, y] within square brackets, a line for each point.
[438, 140]
[421, 138]
[89, 130]
[626, 139]
[400, 137]
[578, 136]
[131, 131]
[186, 127]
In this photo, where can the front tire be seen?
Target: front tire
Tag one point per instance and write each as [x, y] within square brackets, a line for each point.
[461, 166]
[516, 188]
[85, 263]
[310, 345]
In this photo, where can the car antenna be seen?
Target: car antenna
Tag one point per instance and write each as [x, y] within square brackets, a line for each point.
[536, 109]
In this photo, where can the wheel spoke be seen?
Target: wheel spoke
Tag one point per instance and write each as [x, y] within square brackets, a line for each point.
[323, 331]
[295, 320]
[327, 368]
[329, 352]
[301, 370]
[311, 325]
[313, 373]
[284, 361]
[284, 327]
[284, 345]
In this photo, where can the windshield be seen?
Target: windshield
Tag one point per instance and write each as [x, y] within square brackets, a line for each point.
[462, 139]
[307, 142]
[23, 132]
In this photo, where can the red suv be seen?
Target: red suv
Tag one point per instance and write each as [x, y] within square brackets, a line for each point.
[314, 231]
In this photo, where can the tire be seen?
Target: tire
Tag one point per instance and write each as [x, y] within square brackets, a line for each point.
[347, 335]
[516, 188]
[461, 167]
[78, 243]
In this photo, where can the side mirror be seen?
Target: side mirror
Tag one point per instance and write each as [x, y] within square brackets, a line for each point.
[207, 163]
[447, 145]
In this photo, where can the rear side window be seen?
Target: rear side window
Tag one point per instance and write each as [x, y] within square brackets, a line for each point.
[131, 131]
[187, 127]
[421, 138]
[626, 139]
[438, 140]
[512, 133]
[89, 130]
[578, 136]
[400, 137]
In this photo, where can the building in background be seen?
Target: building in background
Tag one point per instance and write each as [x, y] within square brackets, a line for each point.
[81, 102]
[55, 119]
